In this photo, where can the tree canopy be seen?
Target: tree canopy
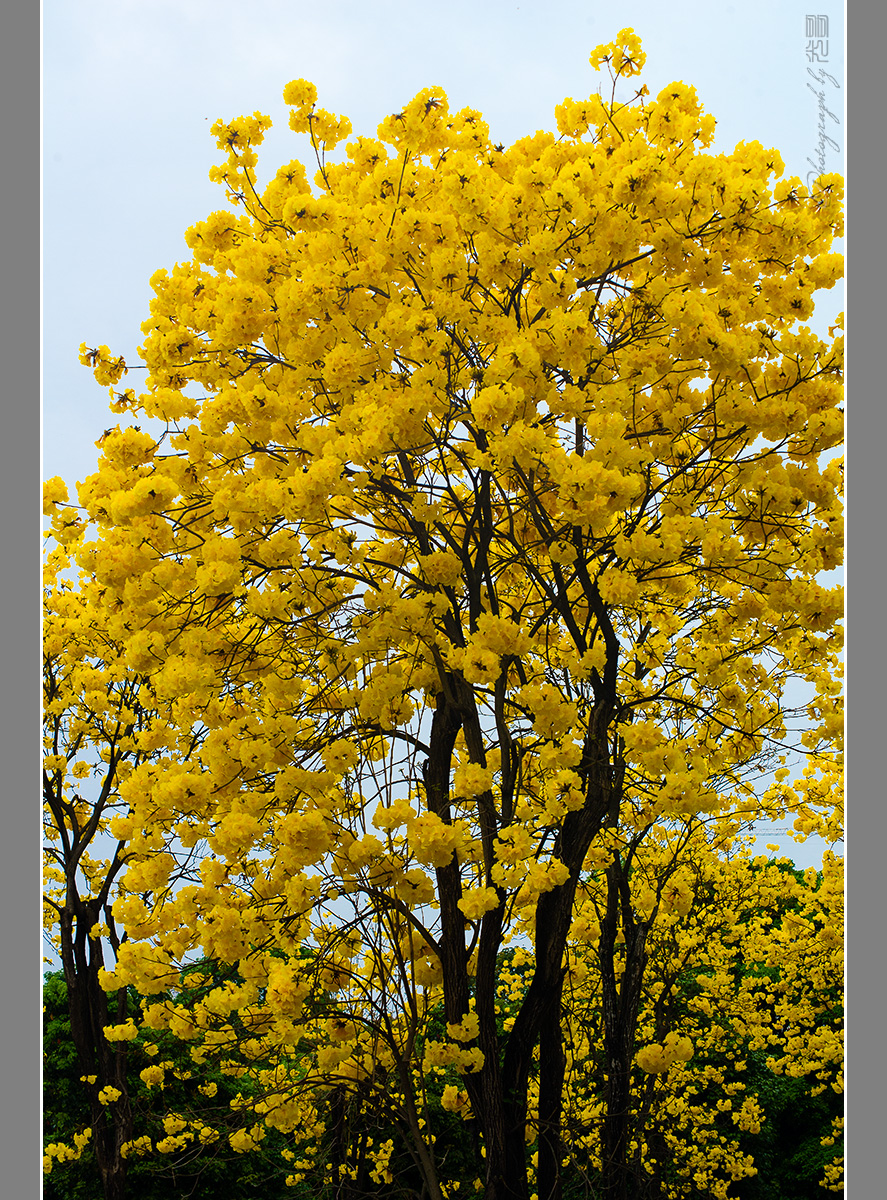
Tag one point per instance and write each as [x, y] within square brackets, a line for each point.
[467, 569]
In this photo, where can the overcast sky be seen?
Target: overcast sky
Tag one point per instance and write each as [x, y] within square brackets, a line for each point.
[131, 87]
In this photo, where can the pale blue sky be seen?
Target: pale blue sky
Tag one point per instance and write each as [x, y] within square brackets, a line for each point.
[131, 88]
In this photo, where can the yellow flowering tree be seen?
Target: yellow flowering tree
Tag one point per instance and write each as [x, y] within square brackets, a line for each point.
[91, 725]
[744, 963]
[476, 534]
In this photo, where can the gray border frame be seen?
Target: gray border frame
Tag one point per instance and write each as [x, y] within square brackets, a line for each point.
[19, 588]
[866, 1060]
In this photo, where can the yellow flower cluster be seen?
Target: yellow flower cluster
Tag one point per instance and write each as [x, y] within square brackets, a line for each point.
[624, 54]
[656, 1058]
[433, 841]
[455, 1100]
[63, 1153]
[466, 1030]
[107, 370]
[477, 901]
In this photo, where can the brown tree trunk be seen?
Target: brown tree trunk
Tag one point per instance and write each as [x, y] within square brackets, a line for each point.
[505, 1174]
[499, 1097]
[552, 1066]
[619, 1177]
[112, 1124]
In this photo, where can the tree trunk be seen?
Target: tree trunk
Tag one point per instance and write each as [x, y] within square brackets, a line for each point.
[619, 1177]
[112, 1124]
[552, 1066]
[499, 1097]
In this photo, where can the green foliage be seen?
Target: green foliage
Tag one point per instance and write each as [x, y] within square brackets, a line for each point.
[788, 1151]
[65, 1105]
[202, 1174]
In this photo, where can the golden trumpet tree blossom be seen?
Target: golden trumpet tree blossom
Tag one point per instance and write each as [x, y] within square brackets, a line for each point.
[92, 719]
[473, 537]
[743, 977]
